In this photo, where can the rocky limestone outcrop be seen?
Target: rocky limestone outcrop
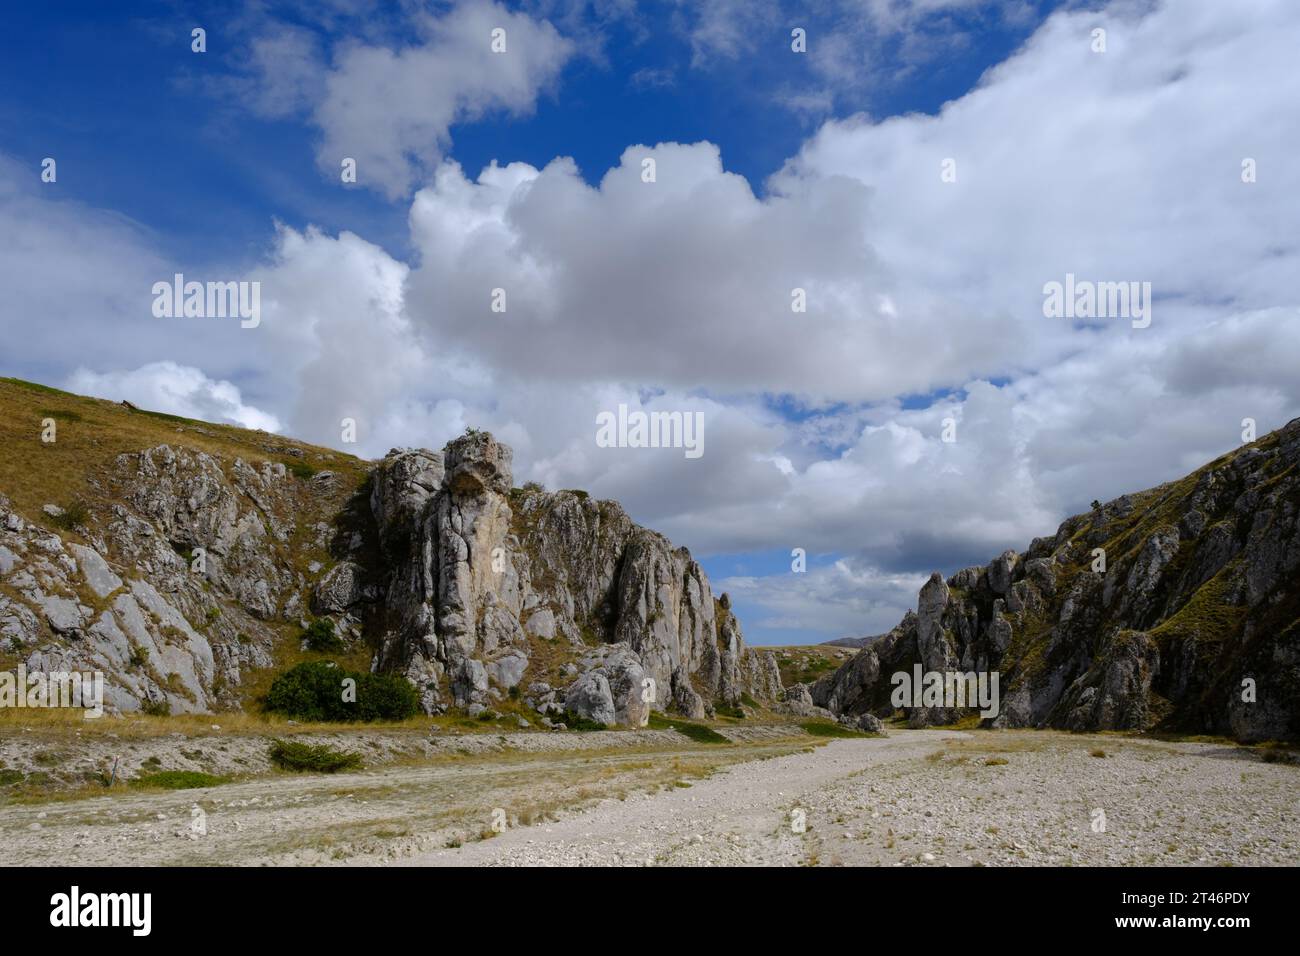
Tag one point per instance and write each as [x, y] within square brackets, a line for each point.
[1176, 608]
[474, 570]
[197, 565]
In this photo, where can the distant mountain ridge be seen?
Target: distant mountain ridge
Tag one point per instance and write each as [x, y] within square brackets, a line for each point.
[854, 642]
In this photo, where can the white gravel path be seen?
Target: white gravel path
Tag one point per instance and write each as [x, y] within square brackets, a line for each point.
[939, 798]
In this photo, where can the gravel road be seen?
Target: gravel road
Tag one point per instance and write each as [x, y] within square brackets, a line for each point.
[940, 798]
[928, 798]
[452, 795]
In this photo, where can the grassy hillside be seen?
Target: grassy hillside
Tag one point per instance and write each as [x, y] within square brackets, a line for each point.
[77, 468]
[91, 433]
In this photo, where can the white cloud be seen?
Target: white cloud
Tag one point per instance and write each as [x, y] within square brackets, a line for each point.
[688, 279]
[175, 389]
[392, 109]
[285, 71]
[843, 599]
[338, 344]
[676, 295]
[855, 50]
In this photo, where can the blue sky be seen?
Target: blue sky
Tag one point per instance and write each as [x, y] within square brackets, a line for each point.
[148, 128]
[776, 170]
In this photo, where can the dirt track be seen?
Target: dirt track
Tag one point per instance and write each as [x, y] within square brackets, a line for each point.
[941, 798]
[377, 815]
[915, 798]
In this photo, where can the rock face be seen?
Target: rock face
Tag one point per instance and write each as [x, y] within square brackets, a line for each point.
[173, 594]
[1176, 608]
[474, 569]
[191, 568]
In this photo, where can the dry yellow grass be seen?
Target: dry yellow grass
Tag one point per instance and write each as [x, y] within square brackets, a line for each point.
[79, 466]
[136, 726]
[91, 433]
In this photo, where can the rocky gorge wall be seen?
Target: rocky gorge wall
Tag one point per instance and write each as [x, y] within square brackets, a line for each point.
[476, 572]
[199, 569]
[1176, 608]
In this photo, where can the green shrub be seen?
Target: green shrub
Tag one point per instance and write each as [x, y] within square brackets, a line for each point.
[74, 513]
[300, 469]
[320, 636]
[318, 758]
[156, 708]
[178, 780]
[314, 691]
[575, 721]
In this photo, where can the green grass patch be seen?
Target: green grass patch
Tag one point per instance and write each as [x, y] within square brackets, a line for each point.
[697, 732]
[1207, 616]
[36, 387]
[178, 780]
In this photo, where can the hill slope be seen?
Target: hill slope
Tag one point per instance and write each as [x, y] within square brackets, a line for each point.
[186, 561]
[1198, 596]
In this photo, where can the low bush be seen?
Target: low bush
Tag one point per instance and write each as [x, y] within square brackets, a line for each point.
[312, 758]
[316, 691]
[321, 637]
[74, 514]
[575, 721]
[178, 780]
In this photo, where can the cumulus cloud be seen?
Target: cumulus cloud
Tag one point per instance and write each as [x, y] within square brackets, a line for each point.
[843, 599]
[1101, 164]
[687, 279]
[333, 319]
[388, 95]
[823, 430]
[392, 109]
[175, 389]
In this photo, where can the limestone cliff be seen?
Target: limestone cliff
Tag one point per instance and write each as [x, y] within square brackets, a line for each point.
[185, 571]
[1176, 608]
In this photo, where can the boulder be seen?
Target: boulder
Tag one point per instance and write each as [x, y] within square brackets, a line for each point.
[589, 696]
